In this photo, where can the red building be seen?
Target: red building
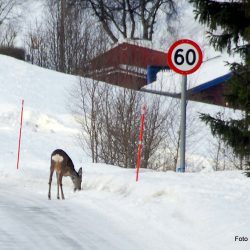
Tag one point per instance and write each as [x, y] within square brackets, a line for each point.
[126, 66]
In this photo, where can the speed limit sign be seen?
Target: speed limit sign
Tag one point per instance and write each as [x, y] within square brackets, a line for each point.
[184, 57]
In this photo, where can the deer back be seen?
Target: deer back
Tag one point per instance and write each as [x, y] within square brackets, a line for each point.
[62, 163]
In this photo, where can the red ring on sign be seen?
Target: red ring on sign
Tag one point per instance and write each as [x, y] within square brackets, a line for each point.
[171, 49]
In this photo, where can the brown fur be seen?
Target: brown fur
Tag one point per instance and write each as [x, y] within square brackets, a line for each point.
[63, 166]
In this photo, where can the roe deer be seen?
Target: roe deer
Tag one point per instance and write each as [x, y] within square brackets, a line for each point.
[63, 165]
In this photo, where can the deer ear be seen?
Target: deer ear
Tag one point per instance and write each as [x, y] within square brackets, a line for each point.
[80, 172]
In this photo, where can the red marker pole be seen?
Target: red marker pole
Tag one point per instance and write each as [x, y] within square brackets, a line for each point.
[143, 111]
[20, 136]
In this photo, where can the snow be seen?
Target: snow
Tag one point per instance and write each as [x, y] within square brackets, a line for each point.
[164, 210]
[203, 210]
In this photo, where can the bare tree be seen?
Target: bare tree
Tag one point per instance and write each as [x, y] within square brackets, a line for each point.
[61, 34]
[65, 48]
[221, 154]
[121, 123]
[127, 18]
[148, 12]
[156, 127]
[6, 7]
[170, 149]
[8, 22]
[36, 45]
[110, 121]
[86, 109]
[8, 35]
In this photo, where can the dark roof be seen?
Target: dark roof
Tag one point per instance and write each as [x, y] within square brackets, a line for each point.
[211, 92]
[211, 83]
[152, 71]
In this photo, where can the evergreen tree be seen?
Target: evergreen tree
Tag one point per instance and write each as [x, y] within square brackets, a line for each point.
[232, 18]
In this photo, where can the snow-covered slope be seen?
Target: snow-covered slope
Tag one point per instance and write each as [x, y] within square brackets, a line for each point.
[46, 116]
[162, 211]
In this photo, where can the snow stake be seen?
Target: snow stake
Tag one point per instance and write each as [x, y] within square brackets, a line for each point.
[143, 111]
[20, 136]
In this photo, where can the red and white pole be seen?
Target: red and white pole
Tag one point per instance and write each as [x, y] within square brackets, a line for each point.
[143, 111]
[20, 136]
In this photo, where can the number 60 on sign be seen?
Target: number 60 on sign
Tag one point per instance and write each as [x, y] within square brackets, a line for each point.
[184, 57]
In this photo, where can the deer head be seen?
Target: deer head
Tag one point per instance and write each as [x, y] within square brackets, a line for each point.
[77, 180]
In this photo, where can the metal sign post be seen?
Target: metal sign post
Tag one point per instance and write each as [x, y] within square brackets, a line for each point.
[183, 123]
[184, 57]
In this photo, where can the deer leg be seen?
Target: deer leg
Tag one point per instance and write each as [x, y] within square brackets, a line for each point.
[60, 180]
[50, 181]
[58, 183]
